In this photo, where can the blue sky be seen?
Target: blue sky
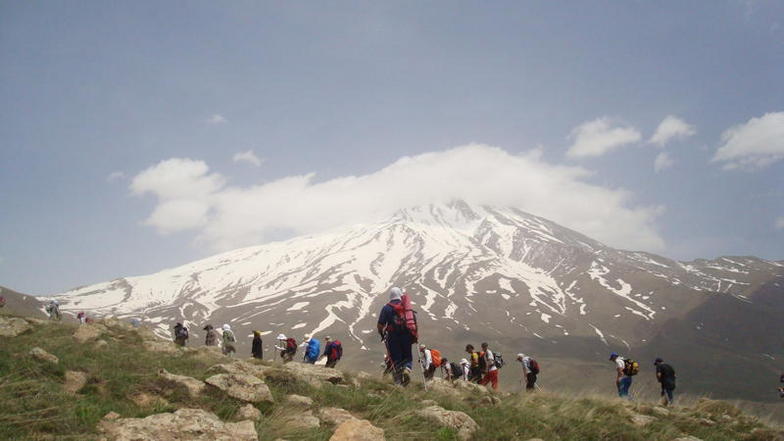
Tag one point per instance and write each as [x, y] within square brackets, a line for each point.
[120, 123]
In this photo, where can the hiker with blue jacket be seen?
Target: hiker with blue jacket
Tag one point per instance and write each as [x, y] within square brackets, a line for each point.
[397, 336]
[312, 350]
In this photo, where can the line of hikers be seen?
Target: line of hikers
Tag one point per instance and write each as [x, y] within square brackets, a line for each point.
[333, 349]
[626, 369]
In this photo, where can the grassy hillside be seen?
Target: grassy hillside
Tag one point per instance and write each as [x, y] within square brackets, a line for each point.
[35, 406]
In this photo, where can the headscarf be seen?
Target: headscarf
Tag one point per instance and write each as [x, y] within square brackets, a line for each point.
[395, 293]
[226, 327]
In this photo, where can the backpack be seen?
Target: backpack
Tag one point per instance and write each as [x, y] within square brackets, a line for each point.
[435, 355]
[291, 345]
[405, 317]
[482, 361]
[229, 336]
[182, 333]
[457, 370]
[631, 367]
[499, 360]
[337, 350]
[534, 367]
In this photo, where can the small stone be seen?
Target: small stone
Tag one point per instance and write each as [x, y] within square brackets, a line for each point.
[357, 430]
[111, 416]
[74, 381]
[642, 420]
[303, 421]
[41, 355]
[299, 400]
[249, 412]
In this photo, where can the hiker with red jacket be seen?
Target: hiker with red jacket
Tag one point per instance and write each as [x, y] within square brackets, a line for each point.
[397, 327]
[431, 360]
[333, 350]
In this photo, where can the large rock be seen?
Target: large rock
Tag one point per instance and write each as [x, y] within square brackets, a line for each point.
[471, 389]
[13, 326]
[41, 355]
[301, 421]
[357, 430]
[195, 387]
[335, 415]
[442, 386]
[182, 425]
[459, 421]
[85, 333]
[314, 374]
[240, 367]
[242, 387]
[74, 381]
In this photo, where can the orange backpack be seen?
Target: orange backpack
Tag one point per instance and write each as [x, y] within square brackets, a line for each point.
[435, 354]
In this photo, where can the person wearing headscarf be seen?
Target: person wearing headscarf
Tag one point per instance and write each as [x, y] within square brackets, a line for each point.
[228, 341]
[211, 336]
[256, 348]
[396, 336]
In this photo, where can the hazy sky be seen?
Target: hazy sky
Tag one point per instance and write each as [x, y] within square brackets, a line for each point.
[136, 136]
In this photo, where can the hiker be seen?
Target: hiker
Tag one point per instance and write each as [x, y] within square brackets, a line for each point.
[287, 348]
[530, 371]
[397, 327]
[625, 369]
[180, 334]
[228, 341]
[2, 302]
[781, 389]
[665, 375]
[53, 309]
[475, 370]
[490, 370]
[451, 370]
[211, 337]
[82, 317]
[255, 348]
[333, 350]
[313, 348]
[430, 362]
[465, 369]
[135, 322]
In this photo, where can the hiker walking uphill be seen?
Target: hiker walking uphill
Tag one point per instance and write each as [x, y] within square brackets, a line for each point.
[180, 334]
[625, 369]
[256, 349]
[287, 347]
[53, 309]
[312, 350]
[211, 336]
[490, 367]
[475, 368]
[333, 350]
[398, 330]
[431, 360]
[465, 369]
[530, 371]
[665, 375]
[228, 341]
[452, 371]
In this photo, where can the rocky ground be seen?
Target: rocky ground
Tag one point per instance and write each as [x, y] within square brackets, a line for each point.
[110, 381]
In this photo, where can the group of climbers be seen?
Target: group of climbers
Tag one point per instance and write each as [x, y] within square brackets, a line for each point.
[626, 369]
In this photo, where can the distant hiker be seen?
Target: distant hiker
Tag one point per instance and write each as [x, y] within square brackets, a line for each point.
[465, 369]
[53, 309]
[452, 371]
[530, 370]
[228, 341]
[82, 317]
[287, 347]
[256, 349]
[180, 334]
[312, 350]
[625, 369]
[490, 368]
[2, 301]
[475, 369]
[135, 322]
[398, 330]
[333, 350]
[431, 360]
[665, 375]
[211, 337]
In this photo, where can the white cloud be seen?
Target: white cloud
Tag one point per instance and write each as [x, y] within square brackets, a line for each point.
[662, 162]
[185, 193]
[755, 144]
[671, 127]
[217, 119]
[249, 157]
[230, 217]
[597, 137]
[115, 176]
[780, 223]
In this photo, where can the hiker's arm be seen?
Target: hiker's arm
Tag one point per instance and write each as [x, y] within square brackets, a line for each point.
[381, 327]
[620, 375]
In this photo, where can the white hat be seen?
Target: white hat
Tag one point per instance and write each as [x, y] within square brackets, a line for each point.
[281, 337]
[395, 293]
[226, 327]
[520, 356]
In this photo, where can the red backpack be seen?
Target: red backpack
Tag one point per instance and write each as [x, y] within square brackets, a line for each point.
[291, 345]
[337, 350]
[435, 355]
[405, 317]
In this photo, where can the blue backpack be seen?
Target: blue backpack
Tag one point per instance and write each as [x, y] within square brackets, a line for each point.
[314, 347]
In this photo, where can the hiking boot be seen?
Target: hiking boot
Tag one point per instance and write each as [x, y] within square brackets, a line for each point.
[406, 376]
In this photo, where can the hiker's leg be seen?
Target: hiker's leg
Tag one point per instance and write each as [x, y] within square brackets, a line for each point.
[623, 387]
[670, 397]
[494, 379]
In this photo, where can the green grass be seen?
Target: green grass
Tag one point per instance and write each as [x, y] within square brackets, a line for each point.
[33, 405]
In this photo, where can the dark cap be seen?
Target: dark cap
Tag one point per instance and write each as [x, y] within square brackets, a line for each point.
[658, 360]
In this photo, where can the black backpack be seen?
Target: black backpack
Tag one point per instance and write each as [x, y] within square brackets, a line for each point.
[182, 333]
[499, 360]
[457, 370]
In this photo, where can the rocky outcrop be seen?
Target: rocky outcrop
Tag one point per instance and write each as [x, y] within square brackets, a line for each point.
[13, 326]
[182, 425]
[195, 387]
[41, 355]
[85, 333]
[357, 430]
[74, 381]
[240, 367]
[314, 374]
[459, 421]
[334, 415]
[242, 387]
[248, 412]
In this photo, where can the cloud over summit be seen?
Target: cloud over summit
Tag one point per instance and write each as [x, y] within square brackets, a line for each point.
[226, 217]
